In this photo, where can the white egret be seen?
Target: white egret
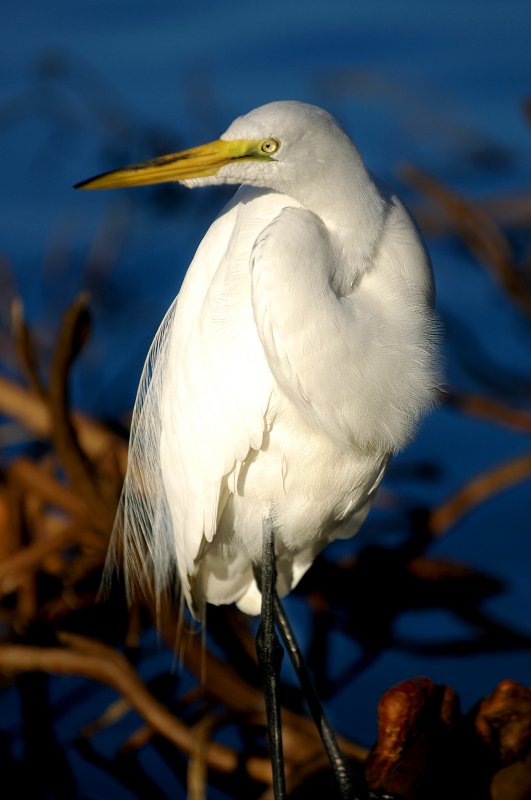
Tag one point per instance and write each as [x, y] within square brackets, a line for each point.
[297, 358]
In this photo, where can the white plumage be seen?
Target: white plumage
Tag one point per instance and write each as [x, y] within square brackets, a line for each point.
[297, 358]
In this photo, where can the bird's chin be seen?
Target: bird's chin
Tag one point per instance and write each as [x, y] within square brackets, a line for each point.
[192, 183]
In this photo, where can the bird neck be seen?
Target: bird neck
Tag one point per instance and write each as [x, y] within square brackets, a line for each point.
[353, 211]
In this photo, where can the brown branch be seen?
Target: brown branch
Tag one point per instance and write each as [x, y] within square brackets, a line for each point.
[74, 331]
[141, 736]
[301, 775]
[8, 543]
[31, 411]
[196, 774]
[32, 477]
[478, 230]
[512, 211]
[486, 408]
[224, 684]
[13, 528]
[15, 569]
[477, 491]
[25, 347]
[27, 603]
[64, 604]
[104, 664]
[114, 712]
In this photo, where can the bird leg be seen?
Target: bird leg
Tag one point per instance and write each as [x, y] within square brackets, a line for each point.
[270, 653]
[338, 762]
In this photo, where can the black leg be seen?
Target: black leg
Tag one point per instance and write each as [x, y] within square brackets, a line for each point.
[270, 653]
[337, 760]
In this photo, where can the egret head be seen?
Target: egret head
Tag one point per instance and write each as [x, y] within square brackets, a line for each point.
[279, 146]
[304, 144]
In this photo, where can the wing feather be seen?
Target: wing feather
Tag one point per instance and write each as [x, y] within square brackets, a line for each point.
[200, 407]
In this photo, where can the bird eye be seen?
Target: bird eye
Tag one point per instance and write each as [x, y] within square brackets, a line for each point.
[269, 146]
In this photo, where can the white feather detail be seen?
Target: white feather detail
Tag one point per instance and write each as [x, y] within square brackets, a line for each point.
[143, 539]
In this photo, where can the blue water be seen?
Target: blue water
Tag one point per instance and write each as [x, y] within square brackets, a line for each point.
[91, 85]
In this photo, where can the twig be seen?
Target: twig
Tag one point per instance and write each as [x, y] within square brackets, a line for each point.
[479, 489]
[101, 663]
[112, 714]
[32, 477]
[478, 230]
[71, 338]
[15, 569]
[301, 774]
[486, 408]
[510, 211]
[27, 603]
[196, 774]
[12, 533]
[25, 347]
[32, 412]
[225, 685]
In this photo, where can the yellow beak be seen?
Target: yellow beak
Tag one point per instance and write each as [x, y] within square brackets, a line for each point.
[197, 162]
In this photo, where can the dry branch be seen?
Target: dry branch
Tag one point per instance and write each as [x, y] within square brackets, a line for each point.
[225, 685]
[478, 230]
[14, 571]
[78, 467]
[105, 664]
[32, 477]
[491, 410]
[477, 491]
[32, 412]
[25, 347]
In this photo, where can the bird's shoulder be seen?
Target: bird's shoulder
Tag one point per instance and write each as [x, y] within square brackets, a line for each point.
[401, 253]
